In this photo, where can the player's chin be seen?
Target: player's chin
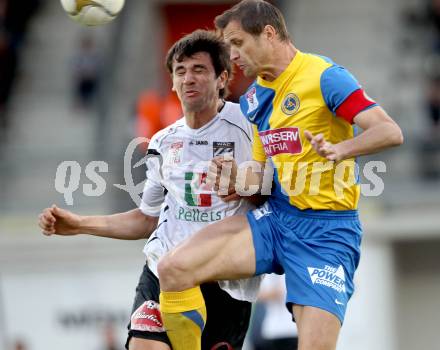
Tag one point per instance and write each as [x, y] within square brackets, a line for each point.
[249, 72]
[193, 104]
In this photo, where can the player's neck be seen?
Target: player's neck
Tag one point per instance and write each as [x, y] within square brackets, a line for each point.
[280, 60]
[197, 119]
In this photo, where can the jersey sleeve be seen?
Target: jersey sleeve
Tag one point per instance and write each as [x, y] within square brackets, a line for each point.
[343, 94]
[153, 194]
[258, 153]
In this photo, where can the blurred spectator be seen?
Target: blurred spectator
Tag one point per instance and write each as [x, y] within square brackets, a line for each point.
[148, 114]
[86, 73]
[432, 96]
[171, 110]
[8, 65]
[433, 106]
[109, 338]
[14, 19]
[426, 15]
[19, 344]
[429, 146]
[153, 112]
[273, 328]
[433, 18]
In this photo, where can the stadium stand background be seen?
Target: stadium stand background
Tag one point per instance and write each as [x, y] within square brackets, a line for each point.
[63, 292]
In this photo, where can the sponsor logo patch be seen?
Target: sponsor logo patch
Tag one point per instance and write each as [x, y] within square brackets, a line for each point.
[329, 276]
[220, 148]
[198, 143]
[147, 317]
[251, 97]
[197, 215]
[283, 140]
[290, 104]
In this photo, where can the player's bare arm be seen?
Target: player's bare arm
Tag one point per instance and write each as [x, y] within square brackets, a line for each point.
[380, 131]
[129, 225]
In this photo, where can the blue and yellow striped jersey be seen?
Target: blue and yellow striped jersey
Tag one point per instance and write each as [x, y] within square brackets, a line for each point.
[314, 94]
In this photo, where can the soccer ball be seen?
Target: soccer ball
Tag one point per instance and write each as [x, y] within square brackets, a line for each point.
[92, 12]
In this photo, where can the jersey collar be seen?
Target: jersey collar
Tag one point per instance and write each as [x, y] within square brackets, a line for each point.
[290, 71]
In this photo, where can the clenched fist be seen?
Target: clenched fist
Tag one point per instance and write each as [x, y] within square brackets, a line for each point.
[59, 221]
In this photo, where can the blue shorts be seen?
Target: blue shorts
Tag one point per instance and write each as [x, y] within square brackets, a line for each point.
[318, 250]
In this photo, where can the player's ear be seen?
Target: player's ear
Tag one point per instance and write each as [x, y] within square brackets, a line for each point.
[172, 75]
[269, 32]
[222, 80]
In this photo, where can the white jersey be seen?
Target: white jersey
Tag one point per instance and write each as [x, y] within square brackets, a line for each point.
[176, 189]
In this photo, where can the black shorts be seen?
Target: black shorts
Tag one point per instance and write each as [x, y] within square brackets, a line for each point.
[227, 318]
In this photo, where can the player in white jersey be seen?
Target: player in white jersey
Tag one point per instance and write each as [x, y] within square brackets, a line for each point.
[180, 156]
[177, 201]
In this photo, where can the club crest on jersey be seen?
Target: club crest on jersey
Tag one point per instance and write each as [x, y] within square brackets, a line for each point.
[222, 148]
[175, 153]
[290, 104]
[251, 97]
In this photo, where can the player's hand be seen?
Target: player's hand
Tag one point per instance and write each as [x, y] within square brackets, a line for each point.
[59, 221]
[324, 148]
[222, 174]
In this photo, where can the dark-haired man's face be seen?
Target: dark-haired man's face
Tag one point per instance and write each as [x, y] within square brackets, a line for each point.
[195, 82]
[247, 50]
